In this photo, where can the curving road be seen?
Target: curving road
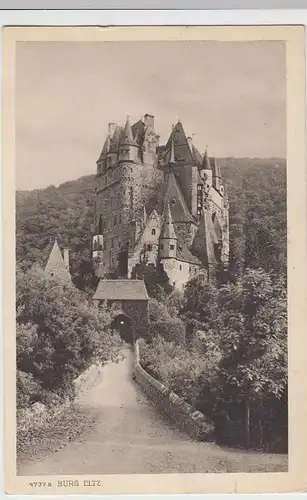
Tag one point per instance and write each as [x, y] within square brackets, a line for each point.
[131, 437]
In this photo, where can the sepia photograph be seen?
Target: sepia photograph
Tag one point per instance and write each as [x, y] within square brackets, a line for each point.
[151, 258]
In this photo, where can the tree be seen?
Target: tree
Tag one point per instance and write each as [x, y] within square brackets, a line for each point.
[155, 278]
[59, 333]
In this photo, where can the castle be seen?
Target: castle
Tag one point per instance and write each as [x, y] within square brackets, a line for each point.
[158, 204]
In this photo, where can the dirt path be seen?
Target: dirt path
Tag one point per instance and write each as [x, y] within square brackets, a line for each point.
[131, 437]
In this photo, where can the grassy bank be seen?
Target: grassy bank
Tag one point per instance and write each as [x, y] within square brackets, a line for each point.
[39, 433]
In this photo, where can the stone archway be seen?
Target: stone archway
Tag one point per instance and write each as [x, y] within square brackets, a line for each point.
[122, 324]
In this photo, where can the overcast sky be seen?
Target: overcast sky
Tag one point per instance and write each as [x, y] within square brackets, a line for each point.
[230, 95]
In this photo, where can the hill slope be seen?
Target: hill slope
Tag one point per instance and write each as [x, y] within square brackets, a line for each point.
[257, 195]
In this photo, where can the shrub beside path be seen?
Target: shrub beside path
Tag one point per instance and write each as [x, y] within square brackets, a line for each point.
[129, 436]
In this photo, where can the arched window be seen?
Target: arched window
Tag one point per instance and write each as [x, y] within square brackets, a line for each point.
[153, 232]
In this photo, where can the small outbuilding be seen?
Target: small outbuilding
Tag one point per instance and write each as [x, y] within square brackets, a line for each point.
[131, 298]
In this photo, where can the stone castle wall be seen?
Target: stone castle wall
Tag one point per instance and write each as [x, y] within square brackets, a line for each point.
[177, 411]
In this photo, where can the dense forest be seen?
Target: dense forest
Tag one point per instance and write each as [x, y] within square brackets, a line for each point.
[258, 236]
[223, 349]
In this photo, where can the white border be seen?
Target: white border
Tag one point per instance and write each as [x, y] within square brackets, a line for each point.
[149, 17]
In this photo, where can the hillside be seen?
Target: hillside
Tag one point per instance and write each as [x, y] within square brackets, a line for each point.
[257, 194]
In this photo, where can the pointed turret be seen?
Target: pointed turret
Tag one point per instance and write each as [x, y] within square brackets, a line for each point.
[168, 238]
[206, 161]
[128, 147]
[127, 135]
[216, 179]
[55, 266]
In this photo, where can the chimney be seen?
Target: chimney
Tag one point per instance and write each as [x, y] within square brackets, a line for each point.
[66, 258]
[111, 128]
[190, 143]
[149, 120]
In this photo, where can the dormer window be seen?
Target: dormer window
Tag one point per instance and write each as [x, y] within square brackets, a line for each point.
[172, 247]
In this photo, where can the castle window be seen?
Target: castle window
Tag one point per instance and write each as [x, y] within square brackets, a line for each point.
[149, 247]
[114, 221]
[161, 246]
[180, 267]
[173, 201]
[213, 216]
[153, 232]
[190, 269]
[172, 247]
[201, 277]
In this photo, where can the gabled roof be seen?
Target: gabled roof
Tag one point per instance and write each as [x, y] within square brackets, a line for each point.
[55, 266]
[182, 149]
[173, 195]
[203, 243]
[121, 290]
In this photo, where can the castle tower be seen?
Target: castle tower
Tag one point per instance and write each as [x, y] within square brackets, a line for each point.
[56, 267]
[128, 147]
[126, 187]
[168, 238]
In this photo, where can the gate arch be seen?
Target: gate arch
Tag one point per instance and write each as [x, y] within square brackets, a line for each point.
[122, 324]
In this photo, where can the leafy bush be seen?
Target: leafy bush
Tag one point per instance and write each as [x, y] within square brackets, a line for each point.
[172, 330]
[157, 311]
[59, 334]
[234, 368]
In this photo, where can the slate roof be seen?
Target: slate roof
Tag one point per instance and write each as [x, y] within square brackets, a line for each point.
[138, 130]
[127, 138]
[105, 148]
[116, 139]
[168, 231]
[205, 237]
[173, 195]
[55, 266]
[196, 155]
[184, 254]
[207, 164]
[182, 149]
[121, 290]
